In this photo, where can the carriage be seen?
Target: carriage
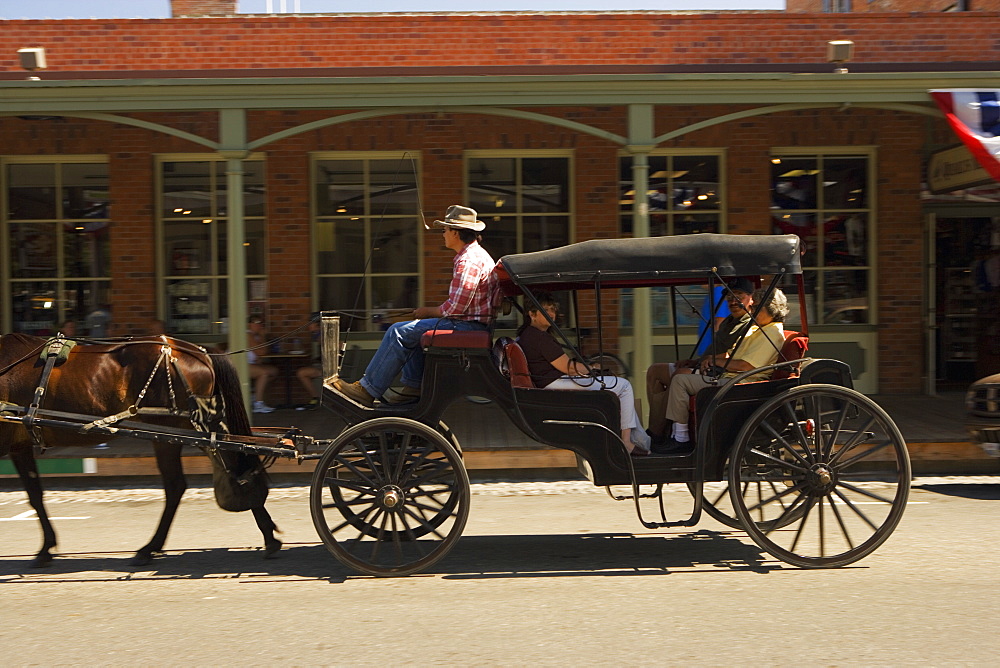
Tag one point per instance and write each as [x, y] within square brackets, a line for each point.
[815, 472]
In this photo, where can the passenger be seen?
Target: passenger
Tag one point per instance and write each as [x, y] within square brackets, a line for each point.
[550, 367]
[759, 348]
[658, 375]
[469, 307]
[310, 373]
[260, 372]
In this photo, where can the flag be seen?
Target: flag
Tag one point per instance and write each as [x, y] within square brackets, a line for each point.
[974, 115]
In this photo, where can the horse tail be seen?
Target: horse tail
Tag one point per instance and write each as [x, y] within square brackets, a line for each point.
[240, 479]
[227, 387]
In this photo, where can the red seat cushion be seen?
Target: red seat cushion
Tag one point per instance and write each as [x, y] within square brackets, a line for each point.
[795, 348]
[517, 365]
[449, 338]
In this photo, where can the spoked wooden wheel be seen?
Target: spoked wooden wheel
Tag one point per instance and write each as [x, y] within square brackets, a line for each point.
[390, 496]
[819, 476]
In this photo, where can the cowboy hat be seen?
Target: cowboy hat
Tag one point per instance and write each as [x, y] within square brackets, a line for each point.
[461, 217]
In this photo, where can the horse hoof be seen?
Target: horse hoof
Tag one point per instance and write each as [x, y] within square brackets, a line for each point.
[271, 548]
[41, 561]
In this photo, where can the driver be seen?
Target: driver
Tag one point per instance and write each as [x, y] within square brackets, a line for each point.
[550, 367]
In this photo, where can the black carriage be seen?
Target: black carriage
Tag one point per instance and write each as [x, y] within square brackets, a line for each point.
[815, 472]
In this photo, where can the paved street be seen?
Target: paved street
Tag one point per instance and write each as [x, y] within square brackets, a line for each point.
[547, 573]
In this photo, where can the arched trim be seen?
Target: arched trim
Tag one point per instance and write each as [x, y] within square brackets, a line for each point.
[135, 122]
[490, 111]
[778, 108]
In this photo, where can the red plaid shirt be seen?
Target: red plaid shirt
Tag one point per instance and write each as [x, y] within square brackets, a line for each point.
[473, 290]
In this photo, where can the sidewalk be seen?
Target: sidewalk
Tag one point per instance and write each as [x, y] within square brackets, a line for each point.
[934, 429]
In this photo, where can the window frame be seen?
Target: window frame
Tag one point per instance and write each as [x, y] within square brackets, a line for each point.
[870, 153]
[315, 157]
[256, 283]
[60, 279]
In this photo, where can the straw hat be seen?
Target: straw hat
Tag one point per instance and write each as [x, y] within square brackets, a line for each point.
[461, 217]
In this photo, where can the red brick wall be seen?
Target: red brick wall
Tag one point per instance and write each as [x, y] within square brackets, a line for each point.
[545, 40]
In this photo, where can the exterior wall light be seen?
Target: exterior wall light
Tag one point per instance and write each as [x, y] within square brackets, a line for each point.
[839, 51]
[32, 58]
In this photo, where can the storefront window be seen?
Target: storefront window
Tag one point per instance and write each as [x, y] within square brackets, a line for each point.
[193, 228]
[524, 200]
[825, 199]
[365, 226]
[685, 196]
[57, 244]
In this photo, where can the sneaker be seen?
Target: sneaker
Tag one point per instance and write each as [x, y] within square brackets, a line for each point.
[354, 392]
[312, 405]
[674, 447]
[641, 442]
[261, 407]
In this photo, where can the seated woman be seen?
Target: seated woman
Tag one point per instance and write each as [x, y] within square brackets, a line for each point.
[759, 348]
[550, 367]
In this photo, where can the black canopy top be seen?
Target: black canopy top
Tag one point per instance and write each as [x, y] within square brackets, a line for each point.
[648, 261]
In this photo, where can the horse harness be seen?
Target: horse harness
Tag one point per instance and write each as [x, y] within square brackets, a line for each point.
[56, 351]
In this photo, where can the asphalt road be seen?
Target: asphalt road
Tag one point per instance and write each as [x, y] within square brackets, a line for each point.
[546, 573]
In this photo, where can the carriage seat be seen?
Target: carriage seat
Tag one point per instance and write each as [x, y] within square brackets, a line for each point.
[449, 338]
[510, 359]
[795, 347]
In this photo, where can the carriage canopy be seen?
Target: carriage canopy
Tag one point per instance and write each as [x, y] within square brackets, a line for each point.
[650, 261]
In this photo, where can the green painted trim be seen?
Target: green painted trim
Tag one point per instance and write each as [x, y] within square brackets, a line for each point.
[122, 95]
[45, 465]
[489, 111]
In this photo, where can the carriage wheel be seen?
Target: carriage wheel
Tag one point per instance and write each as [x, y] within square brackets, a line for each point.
[718, 503]
[390, 496]
[834, 475]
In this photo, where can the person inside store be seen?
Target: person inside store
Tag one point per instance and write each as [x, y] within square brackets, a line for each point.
[471, 303]
[261, 373]
[739, 294]
[760, 347]
[550, 367]
[310, 373]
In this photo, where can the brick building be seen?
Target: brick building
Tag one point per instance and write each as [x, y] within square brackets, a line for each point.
[153, 161]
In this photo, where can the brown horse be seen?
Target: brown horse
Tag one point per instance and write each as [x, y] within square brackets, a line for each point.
[156, 380]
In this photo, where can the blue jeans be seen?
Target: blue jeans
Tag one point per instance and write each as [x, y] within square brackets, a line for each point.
[400, 350]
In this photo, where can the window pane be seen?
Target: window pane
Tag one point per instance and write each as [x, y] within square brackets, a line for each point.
[33, 250]
[492, 185]
[341, 294]
[695, 182]
[86, 249]
[394, 246]
[844, 183]
[846, 297]
[187, 189]
[394, 292]
[693, 224]
[845, 238]
[221, 188]
[187, 246]
[543, 232]
[188, 306]
[340, 247]
[546, 185]
[393, 188]
[31, 192]
[255, 256]
[34, 308]
[500, 236]
[85, 190]
[87, 303]
[803, 225]
[790, 286]
[793, 183]
[340, 187]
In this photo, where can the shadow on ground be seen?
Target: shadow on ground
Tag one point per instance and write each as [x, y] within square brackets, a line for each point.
[506, 556]
[985, 492]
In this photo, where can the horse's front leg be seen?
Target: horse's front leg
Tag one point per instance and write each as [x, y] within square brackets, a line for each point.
[27, 469]
[168, 461]
[267, 528]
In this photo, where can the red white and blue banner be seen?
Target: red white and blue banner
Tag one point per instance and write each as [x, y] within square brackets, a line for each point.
[974, 115]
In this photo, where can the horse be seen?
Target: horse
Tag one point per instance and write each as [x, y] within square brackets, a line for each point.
[156, 380]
